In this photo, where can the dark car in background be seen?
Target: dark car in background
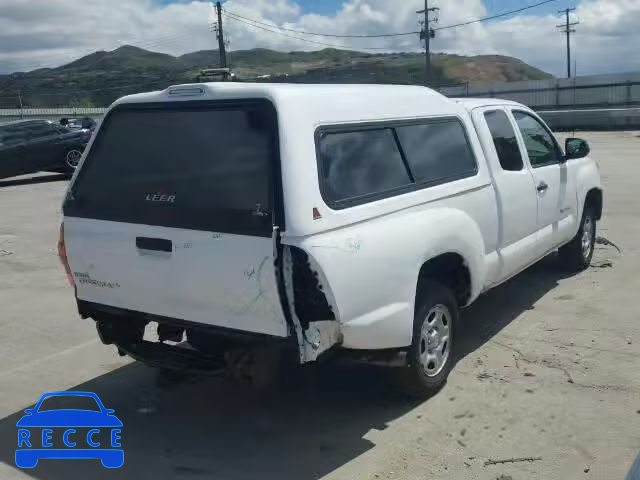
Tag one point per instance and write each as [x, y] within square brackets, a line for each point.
[28, 146]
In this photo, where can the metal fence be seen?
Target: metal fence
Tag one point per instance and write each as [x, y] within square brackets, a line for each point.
[54, 114]
[593, 119]
[594, 91]
[589, 102]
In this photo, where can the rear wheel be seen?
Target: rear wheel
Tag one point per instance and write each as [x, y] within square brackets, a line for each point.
[72, 159]
[431, 353]
[576, 255]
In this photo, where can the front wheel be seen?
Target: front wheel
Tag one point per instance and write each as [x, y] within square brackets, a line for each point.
[431, 353]
[576, 255]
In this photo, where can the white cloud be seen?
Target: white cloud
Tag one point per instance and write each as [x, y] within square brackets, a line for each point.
[37, 34]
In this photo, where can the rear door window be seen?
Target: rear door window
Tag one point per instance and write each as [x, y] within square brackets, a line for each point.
[504, 139]
[182, 165]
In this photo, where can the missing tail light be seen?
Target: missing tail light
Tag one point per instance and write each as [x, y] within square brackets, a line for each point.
[62, 253]
[310, 300]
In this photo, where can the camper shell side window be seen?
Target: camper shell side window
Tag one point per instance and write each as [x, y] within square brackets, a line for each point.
[361, 163]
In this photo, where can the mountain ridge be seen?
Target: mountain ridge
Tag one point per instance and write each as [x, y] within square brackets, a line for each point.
[100, 77]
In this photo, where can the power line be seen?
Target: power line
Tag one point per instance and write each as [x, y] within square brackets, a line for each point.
[492, 17]
[386, 35]
[303, 32]
[302, 39]
[269, 27]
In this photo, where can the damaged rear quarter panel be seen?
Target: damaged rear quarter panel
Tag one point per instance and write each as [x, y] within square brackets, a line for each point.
[369, 270]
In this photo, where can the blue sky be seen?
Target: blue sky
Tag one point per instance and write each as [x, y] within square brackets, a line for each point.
[499, 6]
[327, 7]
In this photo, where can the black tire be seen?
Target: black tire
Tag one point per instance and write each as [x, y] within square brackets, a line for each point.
[413, 380]
[70, 161]
[575, 255]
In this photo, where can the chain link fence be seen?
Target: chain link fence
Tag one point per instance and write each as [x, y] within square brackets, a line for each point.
[53, 114]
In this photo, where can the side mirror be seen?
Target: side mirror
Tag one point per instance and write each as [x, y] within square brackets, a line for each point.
[576, 148]
[29, 411]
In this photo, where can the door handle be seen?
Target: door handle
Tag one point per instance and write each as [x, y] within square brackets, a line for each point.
[542, 186]
[157, 244]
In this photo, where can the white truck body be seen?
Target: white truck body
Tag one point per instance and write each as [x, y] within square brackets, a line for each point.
[366, 253]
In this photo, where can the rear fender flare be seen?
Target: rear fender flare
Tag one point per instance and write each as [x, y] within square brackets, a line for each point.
[457, 232]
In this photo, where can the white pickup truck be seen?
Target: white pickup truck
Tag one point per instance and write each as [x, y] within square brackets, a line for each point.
[315, 219]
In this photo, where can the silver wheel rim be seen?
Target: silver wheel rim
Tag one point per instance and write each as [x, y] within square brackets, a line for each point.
[73, 158]
[435, 340]
[587, 236]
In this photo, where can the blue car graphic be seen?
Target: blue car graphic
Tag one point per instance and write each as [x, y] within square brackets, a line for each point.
[35, 432]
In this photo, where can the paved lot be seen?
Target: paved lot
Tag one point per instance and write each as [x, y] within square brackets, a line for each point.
[549, 367]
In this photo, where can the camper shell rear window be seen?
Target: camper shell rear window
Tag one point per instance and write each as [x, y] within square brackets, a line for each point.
[196, 165]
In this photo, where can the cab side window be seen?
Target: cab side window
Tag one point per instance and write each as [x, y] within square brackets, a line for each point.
[504, 139]
[540, 144]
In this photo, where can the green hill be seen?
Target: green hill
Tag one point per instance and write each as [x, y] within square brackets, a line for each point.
[101, 77]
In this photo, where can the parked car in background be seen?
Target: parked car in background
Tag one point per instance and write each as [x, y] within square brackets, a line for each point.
[29, 146]
[84, 123]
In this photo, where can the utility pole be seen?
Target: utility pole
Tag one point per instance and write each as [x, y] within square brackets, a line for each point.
[566, 28]
[20, 102]
[426, 34]
[220, 34]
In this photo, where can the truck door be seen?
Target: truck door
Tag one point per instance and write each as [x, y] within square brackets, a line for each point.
[556, 196]
[515, 191]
